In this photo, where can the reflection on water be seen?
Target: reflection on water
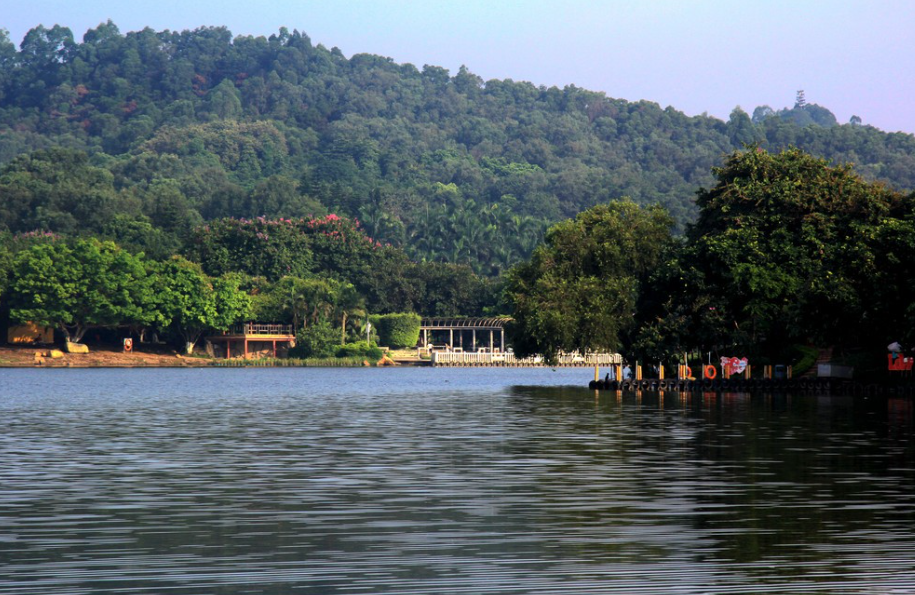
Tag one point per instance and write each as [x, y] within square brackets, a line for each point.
[443, 481]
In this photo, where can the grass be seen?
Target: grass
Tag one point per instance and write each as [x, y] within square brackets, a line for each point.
[270, 362]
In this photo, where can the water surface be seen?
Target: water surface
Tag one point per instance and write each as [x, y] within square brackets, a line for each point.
[325, 481]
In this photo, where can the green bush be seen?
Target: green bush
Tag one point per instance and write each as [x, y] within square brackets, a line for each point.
[369, 351]
[397, 330]
[316, 340]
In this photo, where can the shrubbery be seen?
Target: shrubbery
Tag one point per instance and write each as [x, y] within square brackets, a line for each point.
[370, 351]
[321, 340]
[397, 330]
[316, 340]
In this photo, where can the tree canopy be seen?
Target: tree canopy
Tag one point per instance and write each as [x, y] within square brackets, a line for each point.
[790, 247]
[580, 290]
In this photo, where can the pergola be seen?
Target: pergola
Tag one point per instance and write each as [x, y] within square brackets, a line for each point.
[459, 326]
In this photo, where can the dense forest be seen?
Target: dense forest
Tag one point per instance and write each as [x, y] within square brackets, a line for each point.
[165, 130]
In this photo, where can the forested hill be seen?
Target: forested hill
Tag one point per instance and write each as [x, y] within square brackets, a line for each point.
[198, 125]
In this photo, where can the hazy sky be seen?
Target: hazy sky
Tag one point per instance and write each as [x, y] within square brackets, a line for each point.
[852, 57]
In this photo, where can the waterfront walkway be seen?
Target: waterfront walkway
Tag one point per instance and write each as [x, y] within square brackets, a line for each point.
[488, 358]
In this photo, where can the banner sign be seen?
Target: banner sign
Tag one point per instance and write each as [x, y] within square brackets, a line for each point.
[732, 365]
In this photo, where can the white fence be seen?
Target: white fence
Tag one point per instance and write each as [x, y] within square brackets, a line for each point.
[457, 358]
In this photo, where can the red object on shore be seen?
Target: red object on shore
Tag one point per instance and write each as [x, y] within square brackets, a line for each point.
[900, 363]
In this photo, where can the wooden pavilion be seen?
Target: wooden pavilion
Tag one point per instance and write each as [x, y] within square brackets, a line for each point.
[254, 336]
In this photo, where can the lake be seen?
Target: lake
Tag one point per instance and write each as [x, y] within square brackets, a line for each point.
[444, 481]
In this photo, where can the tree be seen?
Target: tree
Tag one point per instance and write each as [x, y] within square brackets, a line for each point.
[224, 101]
[57, 190]
[348, 303]
[316, 340]
[740, 128]
[761, 113]
[194, 303]
[76, 287]
[271, 248]
[579, 290]
[7, 60]
[792, 249]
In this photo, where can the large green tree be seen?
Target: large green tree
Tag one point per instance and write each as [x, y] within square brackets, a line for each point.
[78, 286]
[194, 303]
[789, 248]
[580, 290]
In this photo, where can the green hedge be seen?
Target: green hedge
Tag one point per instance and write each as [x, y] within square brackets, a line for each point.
[397, 330]
[364, 349]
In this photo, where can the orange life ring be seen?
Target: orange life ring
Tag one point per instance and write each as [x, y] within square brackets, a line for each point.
[710, 372]
[128, 345]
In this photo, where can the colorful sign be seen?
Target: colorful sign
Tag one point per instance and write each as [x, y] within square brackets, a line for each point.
[732, 365]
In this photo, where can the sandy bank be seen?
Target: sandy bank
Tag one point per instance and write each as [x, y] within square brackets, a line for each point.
[98, 357]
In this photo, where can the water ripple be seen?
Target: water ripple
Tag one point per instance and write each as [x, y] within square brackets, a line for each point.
[430, 481]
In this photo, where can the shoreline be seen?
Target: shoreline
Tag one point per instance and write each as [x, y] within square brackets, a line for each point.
[33, 356]
[144, 356]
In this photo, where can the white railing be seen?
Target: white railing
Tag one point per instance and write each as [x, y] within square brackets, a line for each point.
[450, 358]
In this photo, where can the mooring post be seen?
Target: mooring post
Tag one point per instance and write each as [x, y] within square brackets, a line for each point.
[596, 373]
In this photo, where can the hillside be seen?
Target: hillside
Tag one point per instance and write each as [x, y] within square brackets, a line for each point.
[142, 136]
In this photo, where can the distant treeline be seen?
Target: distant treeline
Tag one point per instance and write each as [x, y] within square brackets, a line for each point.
[142, 138]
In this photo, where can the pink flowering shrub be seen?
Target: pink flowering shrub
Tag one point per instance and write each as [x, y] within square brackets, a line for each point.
[274, 248]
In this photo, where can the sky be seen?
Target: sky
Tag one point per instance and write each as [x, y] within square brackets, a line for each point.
[853, 57]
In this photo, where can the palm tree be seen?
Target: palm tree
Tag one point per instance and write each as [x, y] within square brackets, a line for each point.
[348, 303]
[293, 299]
